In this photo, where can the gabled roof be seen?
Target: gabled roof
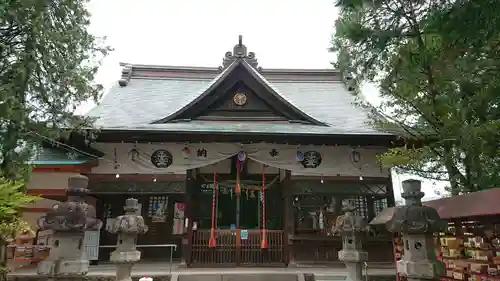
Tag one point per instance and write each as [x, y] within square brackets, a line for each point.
[255, 74]
[147, 96]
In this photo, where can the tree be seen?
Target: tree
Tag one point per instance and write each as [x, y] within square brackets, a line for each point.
[48, 61]
[437, 65]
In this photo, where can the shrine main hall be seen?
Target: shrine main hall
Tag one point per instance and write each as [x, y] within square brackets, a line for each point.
[238, 164]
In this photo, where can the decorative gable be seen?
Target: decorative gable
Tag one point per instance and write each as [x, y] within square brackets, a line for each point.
[240, 93]
[241, 102]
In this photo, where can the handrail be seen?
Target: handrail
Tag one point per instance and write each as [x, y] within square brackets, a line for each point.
[171, 246]
[145, 246]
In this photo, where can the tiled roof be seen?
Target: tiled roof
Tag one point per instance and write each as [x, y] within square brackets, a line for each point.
[149, 93]
[147, 99]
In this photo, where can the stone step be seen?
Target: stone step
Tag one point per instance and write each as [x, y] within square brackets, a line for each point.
[237, 277]
[325, 277]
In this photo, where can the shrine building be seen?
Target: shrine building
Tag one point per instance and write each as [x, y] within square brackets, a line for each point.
[237, 164]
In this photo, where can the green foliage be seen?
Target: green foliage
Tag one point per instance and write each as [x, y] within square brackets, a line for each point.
[48, 61]
[437, 65]
[12, 198]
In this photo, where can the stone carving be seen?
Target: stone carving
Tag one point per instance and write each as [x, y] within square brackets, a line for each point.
[351, 227]
[417, 224]
[69, 220]
[127, 227]
[239, 52]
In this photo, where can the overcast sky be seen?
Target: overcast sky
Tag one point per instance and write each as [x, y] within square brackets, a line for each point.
[283, 34]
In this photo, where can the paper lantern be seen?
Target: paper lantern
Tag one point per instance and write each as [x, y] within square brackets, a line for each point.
[133, 154]
[356, 156]
[242, 156]
[186, 152]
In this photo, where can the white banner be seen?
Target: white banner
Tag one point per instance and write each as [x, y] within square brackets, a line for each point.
[177, 158]
[160, 158]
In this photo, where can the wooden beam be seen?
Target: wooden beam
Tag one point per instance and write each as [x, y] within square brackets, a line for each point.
[82, 168]
[344, 179]
[135, 177]
[141, 136]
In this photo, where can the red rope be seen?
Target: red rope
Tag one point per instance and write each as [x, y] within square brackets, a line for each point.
[395, 255]
[238, 168]
[263, 243]
[211, 242]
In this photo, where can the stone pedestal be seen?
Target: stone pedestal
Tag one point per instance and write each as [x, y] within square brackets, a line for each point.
[417, 224]
[69, 221]
[351, 227]
[127, 227]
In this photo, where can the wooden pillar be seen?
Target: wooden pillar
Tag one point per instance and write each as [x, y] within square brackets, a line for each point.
[289, 220]
[370, 204]
[187, 237]
[391, 202]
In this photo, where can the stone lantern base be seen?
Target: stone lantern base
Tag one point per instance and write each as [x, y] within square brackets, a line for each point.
[352, 256]
[353, 262]
[424, 269]
[63, 267]
[131, 256]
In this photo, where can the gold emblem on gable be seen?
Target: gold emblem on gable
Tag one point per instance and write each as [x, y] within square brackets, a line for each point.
[240, 99]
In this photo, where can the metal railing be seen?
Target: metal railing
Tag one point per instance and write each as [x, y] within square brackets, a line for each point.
[366, 270]
[171, 246]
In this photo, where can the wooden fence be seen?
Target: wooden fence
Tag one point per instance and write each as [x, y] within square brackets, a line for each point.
[237, 248]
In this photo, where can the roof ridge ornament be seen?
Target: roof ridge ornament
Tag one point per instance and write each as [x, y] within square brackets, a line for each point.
[239, 52]
[126, 75]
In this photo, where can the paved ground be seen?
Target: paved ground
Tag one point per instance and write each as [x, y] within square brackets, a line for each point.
[162, 268]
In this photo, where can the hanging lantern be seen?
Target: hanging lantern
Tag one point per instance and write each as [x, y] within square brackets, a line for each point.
[356, 156]
[116, 165]
[242, 156]
[186, 152]
[133, 153]
[300, 156]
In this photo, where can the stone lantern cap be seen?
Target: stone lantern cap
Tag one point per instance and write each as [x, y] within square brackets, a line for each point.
[412, 218]
[130, 223]
[74, 214]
